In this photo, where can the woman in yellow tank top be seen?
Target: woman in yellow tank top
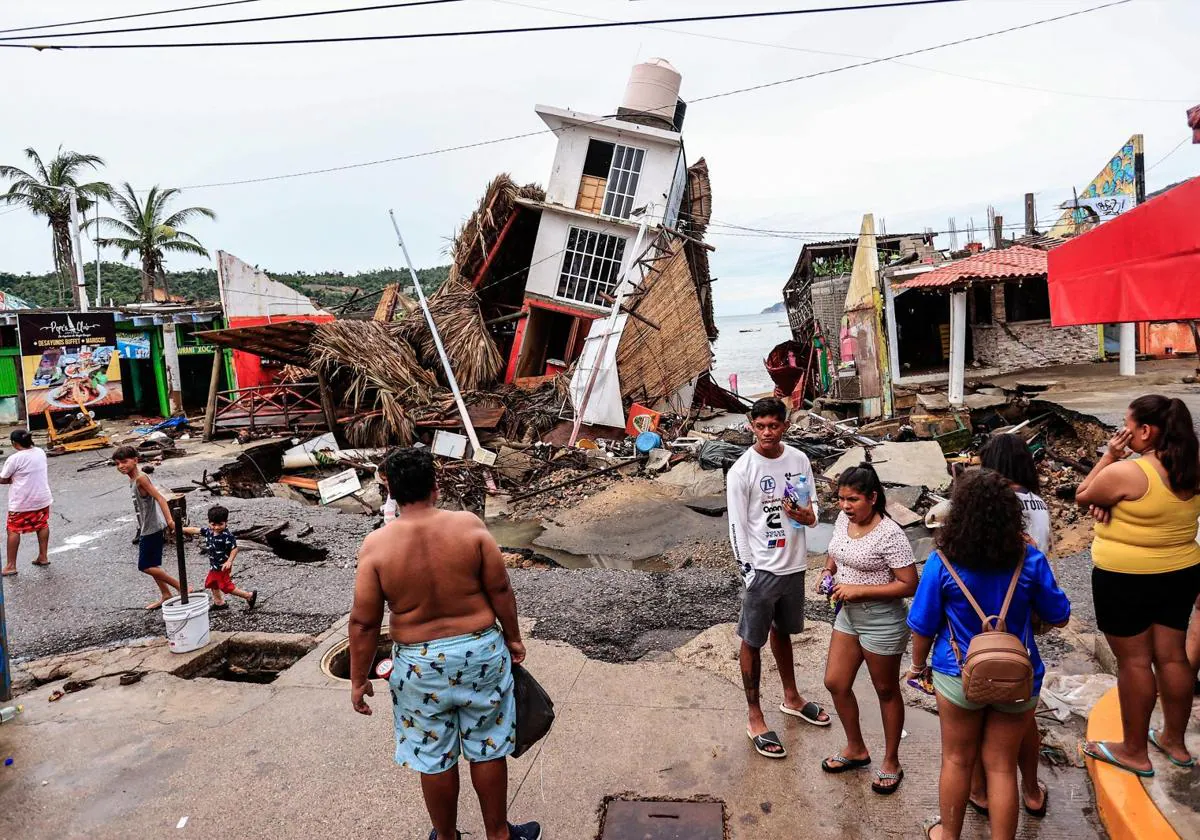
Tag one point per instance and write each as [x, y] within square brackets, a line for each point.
[1147, 574]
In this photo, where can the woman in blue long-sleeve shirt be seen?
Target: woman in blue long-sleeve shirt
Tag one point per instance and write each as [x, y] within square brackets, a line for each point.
[983, 539]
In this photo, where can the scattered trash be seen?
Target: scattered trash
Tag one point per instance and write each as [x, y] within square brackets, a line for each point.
[183, 821]
[449, 444]
[8, 762]
[338, 486]
[1067, 694]
[130, 678]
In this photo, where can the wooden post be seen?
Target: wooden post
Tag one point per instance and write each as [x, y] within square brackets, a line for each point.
[1030, 215]
[214, 384]
[178, 508]
[327, 405]
[998, 231]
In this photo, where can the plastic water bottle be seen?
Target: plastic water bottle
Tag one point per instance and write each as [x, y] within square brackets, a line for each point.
[9, 712]
[799, 494]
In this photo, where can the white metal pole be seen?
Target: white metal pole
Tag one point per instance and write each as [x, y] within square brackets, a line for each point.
[1128, 349]
[98, 304]
[80, 287]
[622, 292]
[958, 346]
[437, 340]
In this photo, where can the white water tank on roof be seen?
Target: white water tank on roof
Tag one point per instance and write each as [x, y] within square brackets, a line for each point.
[653, 90]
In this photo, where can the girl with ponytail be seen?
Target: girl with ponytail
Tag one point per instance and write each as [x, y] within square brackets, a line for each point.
[873, 571]
[1147, 574]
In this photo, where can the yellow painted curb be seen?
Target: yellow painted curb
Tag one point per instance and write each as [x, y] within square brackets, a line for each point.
[1125, 807]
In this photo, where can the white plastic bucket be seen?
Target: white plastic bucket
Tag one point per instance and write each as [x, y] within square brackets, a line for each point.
[187, 624]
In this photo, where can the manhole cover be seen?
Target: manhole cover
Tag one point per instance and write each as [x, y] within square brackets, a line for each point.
[639, 820]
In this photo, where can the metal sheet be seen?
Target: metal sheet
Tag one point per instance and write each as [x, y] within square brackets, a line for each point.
[640, 820]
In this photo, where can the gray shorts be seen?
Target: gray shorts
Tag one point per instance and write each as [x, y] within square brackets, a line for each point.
[881, 626]
[771, 600]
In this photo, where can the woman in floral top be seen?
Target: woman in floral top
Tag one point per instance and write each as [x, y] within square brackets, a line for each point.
[873, 568]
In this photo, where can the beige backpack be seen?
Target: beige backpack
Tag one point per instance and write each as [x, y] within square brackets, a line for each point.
[997, 668]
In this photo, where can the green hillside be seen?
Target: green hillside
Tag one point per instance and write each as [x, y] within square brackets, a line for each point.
[122, 284]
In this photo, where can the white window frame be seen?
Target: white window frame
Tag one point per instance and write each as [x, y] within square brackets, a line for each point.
[624, 175]
[591, 266]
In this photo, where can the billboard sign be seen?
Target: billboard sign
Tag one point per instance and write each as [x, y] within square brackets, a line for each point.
[69, 358]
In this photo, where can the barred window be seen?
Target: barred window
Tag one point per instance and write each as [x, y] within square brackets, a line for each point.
[622, 181]
[591, 266]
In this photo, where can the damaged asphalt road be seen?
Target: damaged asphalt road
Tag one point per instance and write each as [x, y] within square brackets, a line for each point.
[92, 593]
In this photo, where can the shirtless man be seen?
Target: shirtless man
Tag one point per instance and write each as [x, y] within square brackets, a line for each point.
[444, 581]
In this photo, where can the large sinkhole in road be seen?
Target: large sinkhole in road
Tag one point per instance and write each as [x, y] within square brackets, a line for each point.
[248, 661]
[296, 551]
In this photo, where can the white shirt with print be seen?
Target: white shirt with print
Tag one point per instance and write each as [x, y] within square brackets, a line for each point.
[762, 536]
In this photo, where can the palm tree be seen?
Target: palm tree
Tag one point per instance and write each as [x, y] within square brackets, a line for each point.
[145, 228]
[37, 193]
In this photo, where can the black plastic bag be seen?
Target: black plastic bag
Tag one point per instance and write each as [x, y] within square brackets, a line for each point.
[535, 710]
[719, 455]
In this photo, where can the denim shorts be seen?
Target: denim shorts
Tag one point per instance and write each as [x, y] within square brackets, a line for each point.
[952, 689]
[881, 626]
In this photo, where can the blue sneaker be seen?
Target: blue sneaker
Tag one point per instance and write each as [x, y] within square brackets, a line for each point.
[525, 831]
[434, 836]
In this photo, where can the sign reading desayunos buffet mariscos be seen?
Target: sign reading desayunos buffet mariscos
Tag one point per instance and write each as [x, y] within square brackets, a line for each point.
[69, 358]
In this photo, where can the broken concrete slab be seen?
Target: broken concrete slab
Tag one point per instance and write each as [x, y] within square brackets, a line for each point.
[495, 507]
[902, 515]
[933, 402]
[911, 464]
[657, 460]
[714, 505]
[695, 480]
[515, 465]
[979, 401]
[905, 496]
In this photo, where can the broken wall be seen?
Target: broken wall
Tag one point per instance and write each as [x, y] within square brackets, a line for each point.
[1018, 345]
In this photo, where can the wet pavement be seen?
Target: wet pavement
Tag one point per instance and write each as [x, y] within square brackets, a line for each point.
[92, 592]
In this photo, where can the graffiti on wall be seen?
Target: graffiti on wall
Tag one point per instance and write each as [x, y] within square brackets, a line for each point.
[1111, 192]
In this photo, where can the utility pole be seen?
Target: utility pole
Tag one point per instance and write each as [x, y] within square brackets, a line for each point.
[998, 232]
[1030, 215]
[81, 299]
[97, 234]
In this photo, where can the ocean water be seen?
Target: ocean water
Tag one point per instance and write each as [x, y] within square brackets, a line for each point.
[742, 348]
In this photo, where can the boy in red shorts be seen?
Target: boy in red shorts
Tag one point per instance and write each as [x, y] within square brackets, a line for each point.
[222, 548]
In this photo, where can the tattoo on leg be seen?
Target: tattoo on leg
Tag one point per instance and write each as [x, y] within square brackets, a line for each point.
[751, 679]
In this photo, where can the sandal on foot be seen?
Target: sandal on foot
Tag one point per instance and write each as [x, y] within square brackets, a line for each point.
[887, 790]
[1104, 755]
[768, 739]
[43, 565]
[982, 810]
[843, 764]
[8, 573]
[1038, 812]
[810, 712]
[220, 606]
[253, 600]
[1153, 738]
[929, 825]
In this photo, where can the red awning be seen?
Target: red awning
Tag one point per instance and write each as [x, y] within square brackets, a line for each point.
[1143, 265]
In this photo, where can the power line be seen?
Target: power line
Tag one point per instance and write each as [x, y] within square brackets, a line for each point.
[461, 33]
[129, 17]
[538, 132]
[910, 53]
[192, 24]
[1168, 154]
[811, 51]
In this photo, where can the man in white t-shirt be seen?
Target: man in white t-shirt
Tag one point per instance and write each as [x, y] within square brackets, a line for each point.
[29, 498]
[772, 556]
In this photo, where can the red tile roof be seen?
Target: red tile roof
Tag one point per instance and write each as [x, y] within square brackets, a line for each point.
[1014, 262]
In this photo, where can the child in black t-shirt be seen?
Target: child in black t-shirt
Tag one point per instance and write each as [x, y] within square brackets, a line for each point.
[221, 545]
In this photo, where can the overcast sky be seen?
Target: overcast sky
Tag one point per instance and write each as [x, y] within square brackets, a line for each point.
[914, 145]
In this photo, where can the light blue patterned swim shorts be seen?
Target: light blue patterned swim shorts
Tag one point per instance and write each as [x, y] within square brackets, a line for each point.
[453, 696]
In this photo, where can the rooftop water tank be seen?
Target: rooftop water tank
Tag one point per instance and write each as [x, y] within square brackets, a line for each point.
[652, 94]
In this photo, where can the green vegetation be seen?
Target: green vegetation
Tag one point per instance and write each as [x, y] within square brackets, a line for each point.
[145, 229]
[123, 284]
[40, 193]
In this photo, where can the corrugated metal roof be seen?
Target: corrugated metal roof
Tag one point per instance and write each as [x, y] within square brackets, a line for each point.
[1015, 262]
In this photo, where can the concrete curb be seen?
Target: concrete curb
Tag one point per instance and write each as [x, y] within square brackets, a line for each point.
[1125, 807]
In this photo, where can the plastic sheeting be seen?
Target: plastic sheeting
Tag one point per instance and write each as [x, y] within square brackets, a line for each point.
[604, 407]
[1142, 266]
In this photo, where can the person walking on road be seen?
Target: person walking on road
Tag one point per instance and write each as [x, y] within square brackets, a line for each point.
[1010, 456]
[1147, 575]
[772, 556]
[873, 571]
[982, 566]
[154, 520]
[444, 580]
[29, 498]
